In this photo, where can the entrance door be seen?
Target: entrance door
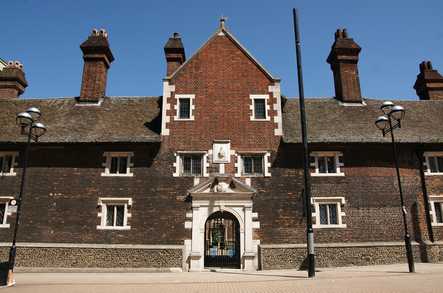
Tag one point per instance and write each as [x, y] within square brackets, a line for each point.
[222, 241]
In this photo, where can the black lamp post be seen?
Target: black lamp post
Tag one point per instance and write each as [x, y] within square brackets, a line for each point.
[387, 123]
[33, 130]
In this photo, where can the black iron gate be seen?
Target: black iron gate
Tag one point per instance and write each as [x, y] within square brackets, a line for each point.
[222, 241]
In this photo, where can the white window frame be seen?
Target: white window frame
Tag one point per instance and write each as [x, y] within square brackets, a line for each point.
[4, 222]
[178, 165]
[252, 107]
[338, 201]
[108, 159]
[103, 202]
[191, 107]
[266, 164]
[426, 164]
[13, 163]
[338, 165]
[432, 200]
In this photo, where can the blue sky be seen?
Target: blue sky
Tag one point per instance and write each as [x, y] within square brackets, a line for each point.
[394, 35]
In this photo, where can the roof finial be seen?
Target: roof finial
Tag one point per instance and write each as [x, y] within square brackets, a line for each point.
[223, 19]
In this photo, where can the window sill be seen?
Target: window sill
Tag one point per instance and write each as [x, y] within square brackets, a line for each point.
[183, 119]
[113, 228]
[5, 226]
[437, 224]
[327, 174]
[263, 119]
[117, 175]
[434, 174]
[8, 174]
[329, 226]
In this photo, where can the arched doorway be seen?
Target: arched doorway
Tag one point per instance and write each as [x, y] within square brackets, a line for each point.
[222, 240]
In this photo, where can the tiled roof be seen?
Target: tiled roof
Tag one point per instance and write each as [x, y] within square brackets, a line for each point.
[331, 122]
[117, 119]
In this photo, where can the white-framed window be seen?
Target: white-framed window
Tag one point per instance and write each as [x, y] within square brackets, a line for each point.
[4, 213]
[114, 213]
[253, 164]
[184, 108]
[118, 164]
[327, 212]
[436, 209]
[326, 163]
[433, 163]
[259, 108]
[7, 163]
[192, 164]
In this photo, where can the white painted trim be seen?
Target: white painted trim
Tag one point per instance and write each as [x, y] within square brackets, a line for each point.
[103, 202]
[93, 245]
[108, 158]
[338, 201]
[178, 165]
[426, 164]
[276, 93]
[191, 98]
[322, 154]
[266, 164]
[252, 107]
[166, 106]
[4, 221]
[14, 163]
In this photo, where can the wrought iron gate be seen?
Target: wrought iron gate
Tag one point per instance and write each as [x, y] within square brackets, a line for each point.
[222, 241]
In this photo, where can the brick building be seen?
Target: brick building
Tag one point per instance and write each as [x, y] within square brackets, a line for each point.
[210, 173]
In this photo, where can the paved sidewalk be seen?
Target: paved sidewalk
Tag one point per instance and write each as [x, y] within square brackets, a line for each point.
[388, 278]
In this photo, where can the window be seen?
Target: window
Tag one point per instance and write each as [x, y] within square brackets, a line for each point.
[7, 163]
[436, 209]
[191, 165]
[184, 107]
[434, 163]
[4, 203]
[118, 164]
[259, 108]
[326, 163]
[327, 212]
[252, 165]
[114, 213]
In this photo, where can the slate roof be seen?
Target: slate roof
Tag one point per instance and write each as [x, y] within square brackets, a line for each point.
[330, 122]
[118, 119]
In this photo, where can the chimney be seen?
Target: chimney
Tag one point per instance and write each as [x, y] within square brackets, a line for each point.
[12, 80]
[429, 83]
[343, 59]
[97, 57]
[174, 53]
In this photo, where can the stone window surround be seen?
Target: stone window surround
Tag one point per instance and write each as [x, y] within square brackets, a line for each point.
[107, 164]
[178, 163]
[339, 201]
[14, 162]
[102, 203]
[191, 98]
[426, 156]
[252, 107]
[266, 163]
[6, 200]
[335, 154]
[432, 200]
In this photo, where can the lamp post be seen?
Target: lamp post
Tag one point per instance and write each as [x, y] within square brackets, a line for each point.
[393, 114]
[28, 121]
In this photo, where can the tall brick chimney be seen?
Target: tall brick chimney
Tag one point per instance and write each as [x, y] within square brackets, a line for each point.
[429, 83]
[12, 80]
[174, 53]
[97, 57]
[343, 59]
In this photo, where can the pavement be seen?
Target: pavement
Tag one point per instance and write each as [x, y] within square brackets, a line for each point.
[385, 278]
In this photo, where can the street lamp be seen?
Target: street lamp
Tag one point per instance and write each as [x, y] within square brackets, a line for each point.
[393, 115]
[33, 130]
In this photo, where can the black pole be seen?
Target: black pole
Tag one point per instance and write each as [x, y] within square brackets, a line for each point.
[307, 177]
[403, 208]
[12, 252]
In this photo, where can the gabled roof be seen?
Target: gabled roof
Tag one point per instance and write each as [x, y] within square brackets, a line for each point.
[117, 119]
[329, 121]
[223, 31]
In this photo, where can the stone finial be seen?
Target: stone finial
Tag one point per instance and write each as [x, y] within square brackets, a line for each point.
[223, 20]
